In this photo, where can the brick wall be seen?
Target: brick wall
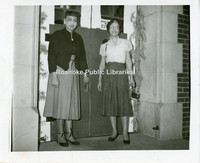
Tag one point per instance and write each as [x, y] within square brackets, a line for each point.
[184, 77]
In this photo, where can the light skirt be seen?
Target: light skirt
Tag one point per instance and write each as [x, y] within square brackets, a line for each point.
[63, 102]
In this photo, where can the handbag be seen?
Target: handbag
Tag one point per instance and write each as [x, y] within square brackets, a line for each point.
[133, 94]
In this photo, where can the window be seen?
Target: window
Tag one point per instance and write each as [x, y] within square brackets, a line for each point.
[60, 12]
[112, 12]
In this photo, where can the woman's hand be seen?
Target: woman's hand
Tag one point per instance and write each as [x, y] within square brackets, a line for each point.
[132, 82]
[86, 79]
[99, 86]
[101, 69]
[55, 81]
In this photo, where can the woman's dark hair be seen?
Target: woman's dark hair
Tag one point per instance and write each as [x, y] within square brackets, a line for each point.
[112, 21]
[104, 41]
[72, 13]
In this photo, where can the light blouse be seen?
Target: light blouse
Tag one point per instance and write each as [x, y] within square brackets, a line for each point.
[116, 52]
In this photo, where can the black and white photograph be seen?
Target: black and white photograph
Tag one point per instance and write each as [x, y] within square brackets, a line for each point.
[120, 80]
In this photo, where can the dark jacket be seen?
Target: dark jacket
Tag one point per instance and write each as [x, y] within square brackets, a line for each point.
[61, 47]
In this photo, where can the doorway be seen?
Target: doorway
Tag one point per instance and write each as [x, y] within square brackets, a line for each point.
[92, 123]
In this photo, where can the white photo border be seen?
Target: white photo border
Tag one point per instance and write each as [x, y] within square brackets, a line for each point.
[6, 49]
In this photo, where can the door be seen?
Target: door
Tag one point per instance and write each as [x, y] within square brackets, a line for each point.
[91, 122]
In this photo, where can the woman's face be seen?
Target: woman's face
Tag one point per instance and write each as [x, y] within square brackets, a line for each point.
[71, 22]
[114, 29]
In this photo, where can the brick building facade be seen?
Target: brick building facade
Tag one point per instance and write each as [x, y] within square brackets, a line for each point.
[184, 77]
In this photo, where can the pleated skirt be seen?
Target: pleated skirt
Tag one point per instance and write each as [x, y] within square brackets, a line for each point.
[63, 102]
[116, 99]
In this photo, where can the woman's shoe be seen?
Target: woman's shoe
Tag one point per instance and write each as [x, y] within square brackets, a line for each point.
[61, 140]
[73, 142]
[111, 139]
[63, 144]
[126, 141]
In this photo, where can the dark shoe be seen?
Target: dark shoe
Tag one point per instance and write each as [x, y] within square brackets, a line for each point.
[61, 140]
[126, 141]
[74, 142]
[110, 139]
[63, 144]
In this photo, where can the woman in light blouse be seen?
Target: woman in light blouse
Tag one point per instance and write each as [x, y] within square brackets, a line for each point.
[115, 62]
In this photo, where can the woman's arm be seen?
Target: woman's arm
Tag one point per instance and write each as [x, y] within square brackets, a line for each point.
[102, 66]
[82, 60]
[52, 60]
[129, 67]
[52, 51]
[128, 62]
[101, 69]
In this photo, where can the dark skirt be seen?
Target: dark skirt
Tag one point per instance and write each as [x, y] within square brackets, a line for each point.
[116, 99]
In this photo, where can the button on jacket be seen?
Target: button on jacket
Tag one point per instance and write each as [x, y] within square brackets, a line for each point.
[62, 45]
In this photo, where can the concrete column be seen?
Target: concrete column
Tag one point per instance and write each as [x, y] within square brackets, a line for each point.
[25, 112]
[163, 61]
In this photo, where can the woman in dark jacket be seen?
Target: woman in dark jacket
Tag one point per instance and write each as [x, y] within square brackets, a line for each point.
[66, 55]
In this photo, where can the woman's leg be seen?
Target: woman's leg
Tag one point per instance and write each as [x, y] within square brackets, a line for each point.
[125, 127]
[68, 132]
[68, 129]
[60, 125]
[113, 121]
[60, 137]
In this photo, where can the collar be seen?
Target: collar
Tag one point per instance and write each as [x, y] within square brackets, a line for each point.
[111, 43]
[69, 34]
